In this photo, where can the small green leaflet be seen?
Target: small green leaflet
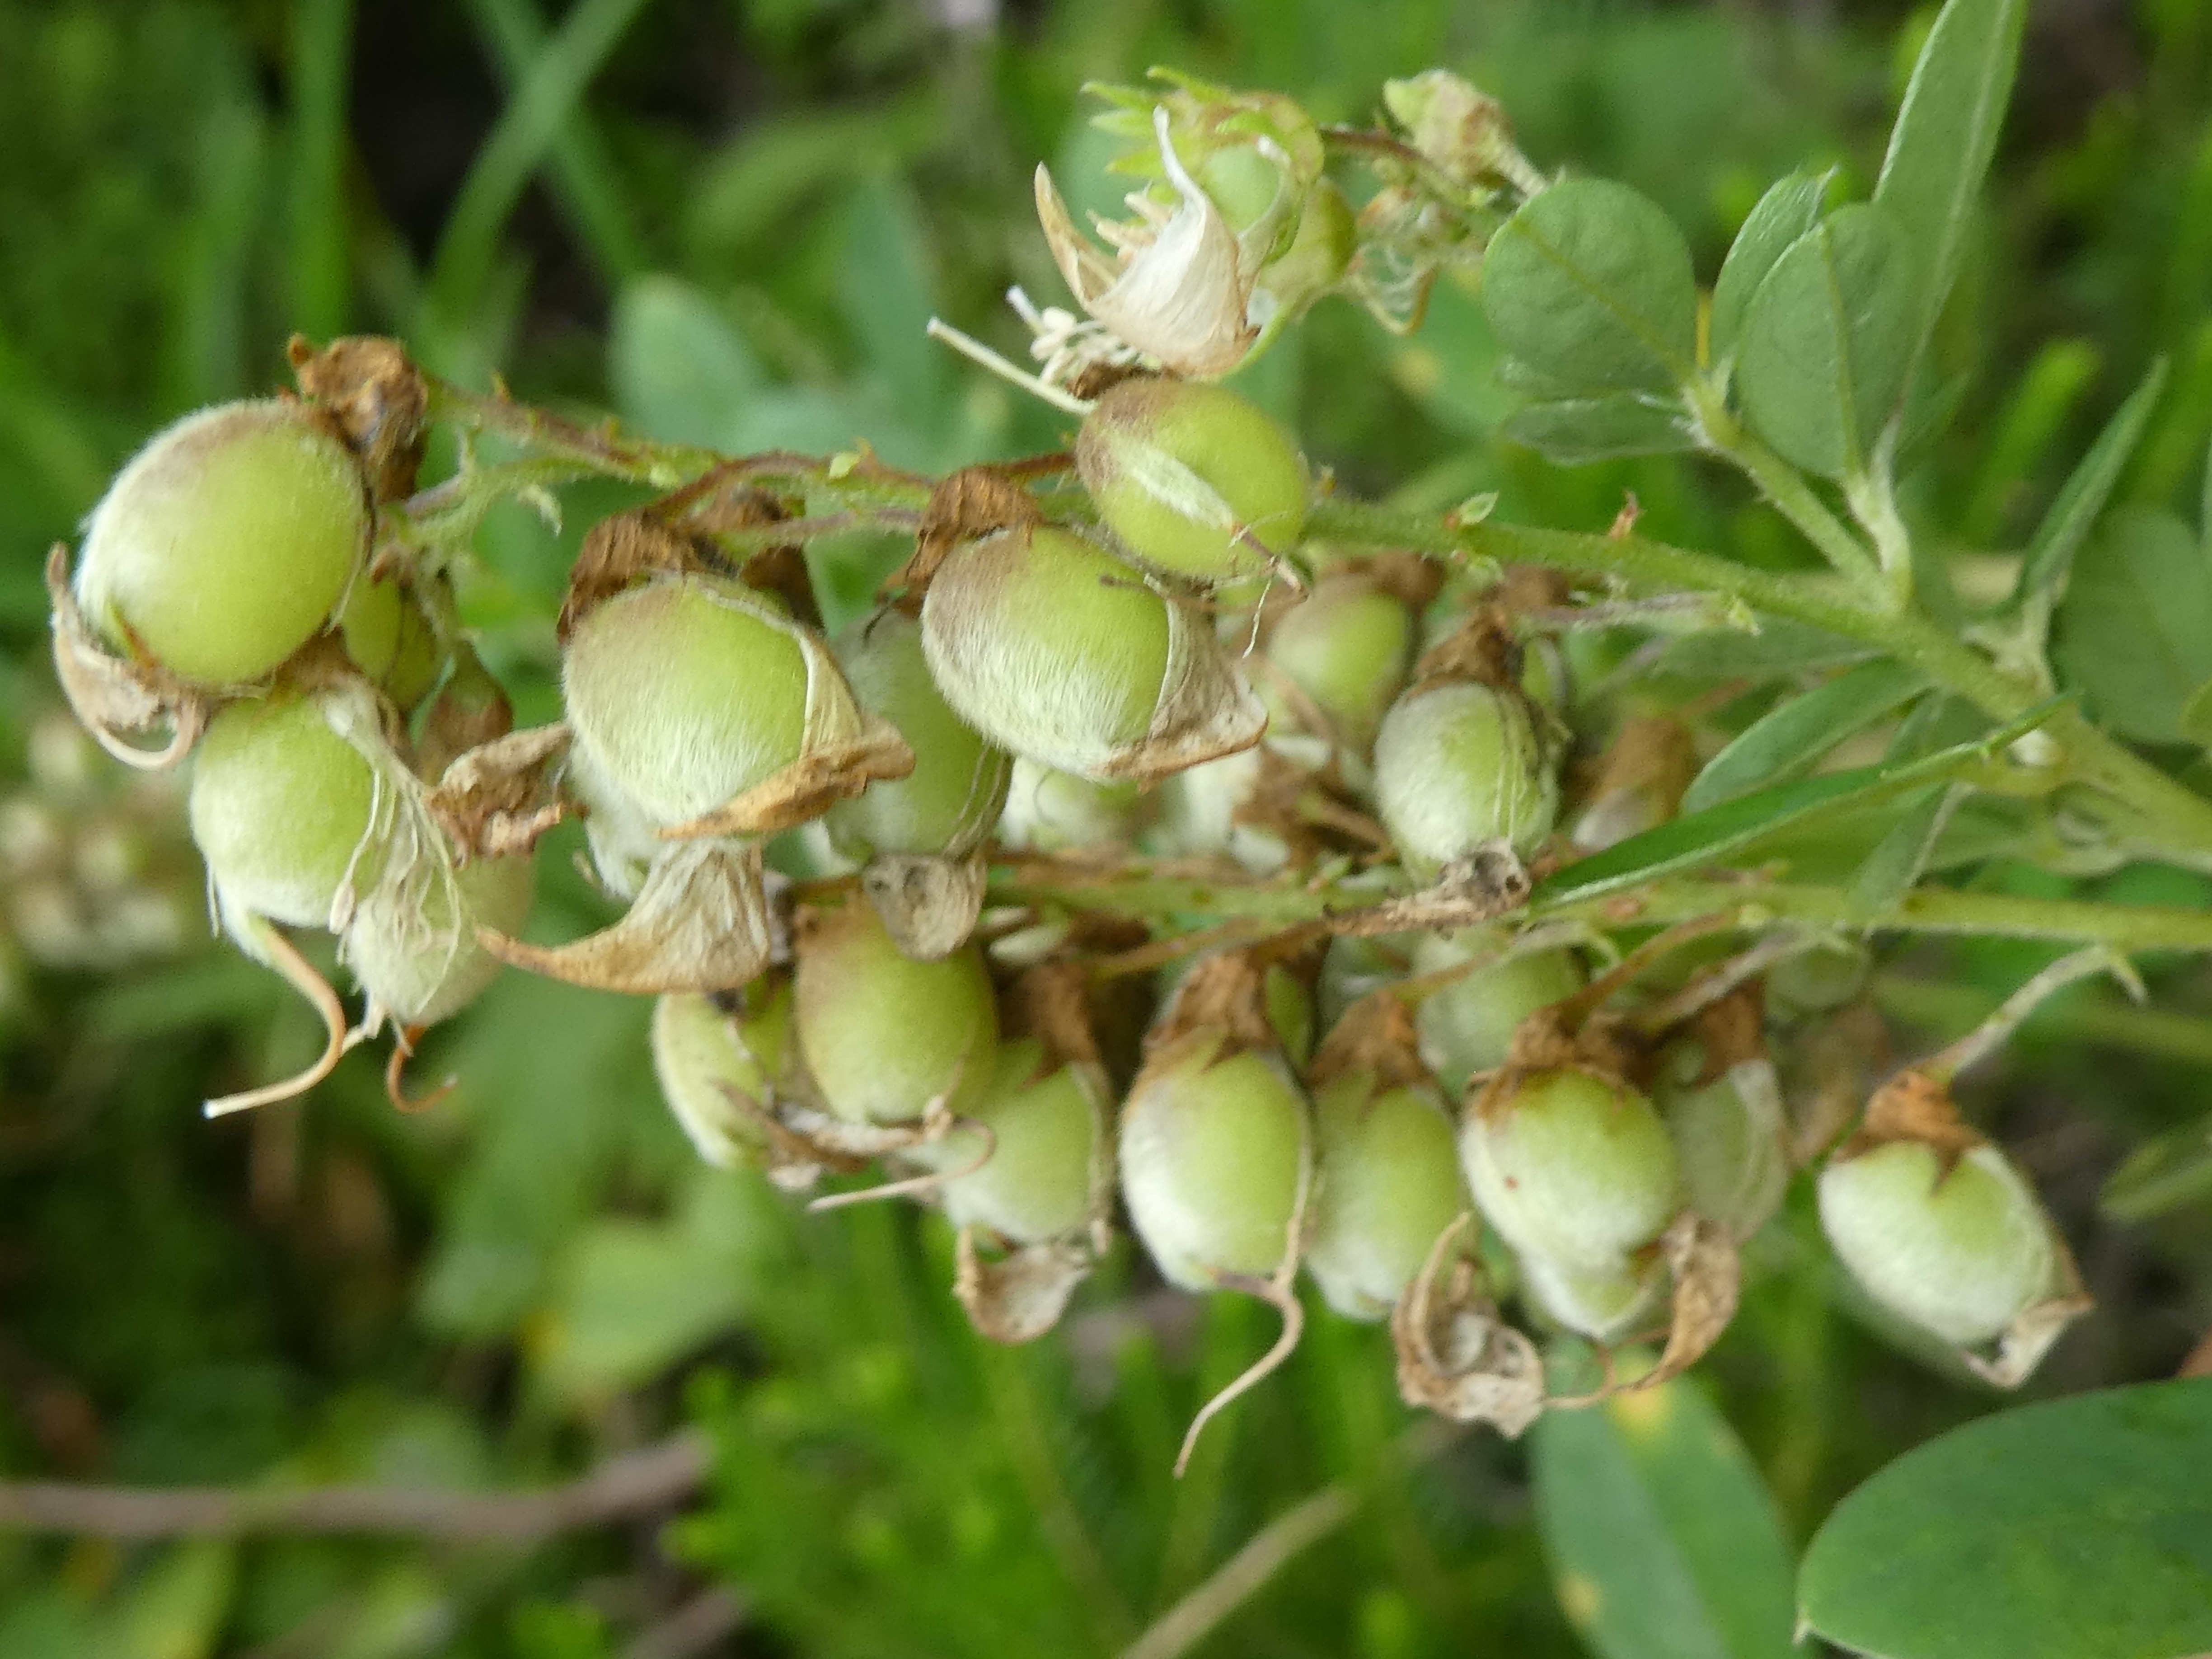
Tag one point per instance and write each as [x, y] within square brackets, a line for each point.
[2081, 500]
[2134, 632]
[1569, 431]
[1790, 208]
[1701, 838]
[2077, 1529]
[1790, 740]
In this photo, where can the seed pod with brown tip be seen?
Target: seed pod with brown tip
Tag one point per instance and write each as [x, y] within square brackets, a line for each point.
[718, 1067]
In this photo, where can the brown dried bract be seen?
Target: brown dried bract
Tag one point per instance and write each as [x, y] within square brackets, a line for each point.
[781, 570]
[1913, 1106]
[1731, 1030]
[1456, 1356]
[1482, 649]
[112, 695]
[928, 901]
[469, 711]
[1409, 578]
[377, 400]
[2021, 1347]
[1311, 813]
[1225, 995]
[966, 506]
[499, 797]
[701, 922]
[617, 551]
[1376, 1035]
[807, 788]
[1488, 882]
[1701, 1255]
[1639, 783]
[1051, 1002]
[1018, 1297]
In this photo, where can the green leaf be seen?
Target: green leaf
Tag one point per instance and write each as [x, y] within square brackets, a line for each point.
[1570, 431]
[2134, 632]
[2074, 512]
[1940, 151]
[2164, 1173]
[2080, 1528]
[1827, 341]
[680, 373]
[1780, 647]
[1789, 209]
[1790, 740]
[885, 291]
[1701, 838]
[1663, 1543]
[1898, 857]
[1590, 285]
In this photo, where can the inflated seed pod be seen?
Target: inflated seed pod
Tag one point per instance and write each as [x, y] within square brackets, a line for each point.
[1818, 981]
[1206, 811]
[390, 637]
[1467, 1025]
[718, 1070]
[1213, 1151]
[1052, 648]
[1729, 1133]
[413, 944]
[1346, 649]
[1602, 1301]
[1571, 1166]
[1387, 1184]
[886, 1038]
[1960, 1250]
[285, 808]
[1031, 1179]
[1052, 812]
[1195, 482]
[226, 544]
[1459, 766]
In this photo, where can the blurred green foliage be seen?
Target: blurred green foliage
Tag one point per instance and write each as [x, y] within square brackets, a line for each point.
[728, 221]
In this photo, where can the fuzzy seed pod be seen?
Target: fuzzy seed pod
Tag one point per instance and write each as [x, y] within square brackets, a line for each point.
[1214, 1150]
[1571, 1167]
[1729, 1132]
[1346, 650]
[718, 1070]
[226, 544]
[1601, 1302]
[413, 944]
[1467, 1025]
[887, 1039]
[1052, 812]
[1387, 1184]
[1195, 482]
[1050, 647]
[1035, 1182]
[1459, 766]
[283, 808]
[1961, 1252]
[1808, 983]
[390, 637]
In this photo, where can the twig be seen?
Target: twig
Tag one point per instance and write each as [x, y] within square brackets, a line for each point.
[692, 1629]
[633, 1484]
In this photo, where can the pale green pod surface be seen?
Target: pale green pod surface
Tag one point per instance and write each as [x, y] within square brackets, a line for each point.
[1388, 1183]
[1053, 811]
[1348, 648]
[1458, 766]
[684, 693]
[1210, 1157]
[952, 798]
[1047, 646]
[1035, 1184]
[1572, 1168]
[225, 543]
[883, 1035]
[390, 639]
[703, 1057]
[1729, 1138]
[1194, 481]
[1960, 1255]
[1818, 981]
[1467, 1026]
[413, 945]
[281, 807]
[1601, 1302]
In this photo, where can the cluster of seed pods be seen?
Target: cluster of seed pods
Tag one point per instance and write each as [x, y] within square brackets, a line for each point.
[1434, 1112]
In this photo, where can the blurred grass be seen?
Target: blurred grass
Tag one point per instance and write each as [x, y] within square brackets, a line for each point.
[726, 220]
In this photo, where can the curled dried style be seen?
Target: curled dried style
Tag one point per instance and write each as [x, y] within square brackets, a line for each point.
[1027, 892]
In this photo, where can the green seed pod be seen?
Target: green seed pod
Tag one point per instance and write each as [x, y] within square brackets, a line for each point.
[1049, 646]
[1387, 1184]
[1808, 983]
[1196, 483]
[951, 799]
[284, 808]
[1036, 1183]
[1214, 1153]
[1961, 1253]
[1571, 1167]
[413, 944]
[885, 1038]
[717, 1071]
[1603, 1302]
[1051, 811]
[1459, 766]
[391, 638]
[1467, 1026]
[1346, 649]
[226, 544]
[1724, 1112]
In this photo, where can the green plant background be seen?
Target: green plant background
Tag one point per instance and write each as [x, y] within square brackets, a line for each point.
[728, 221]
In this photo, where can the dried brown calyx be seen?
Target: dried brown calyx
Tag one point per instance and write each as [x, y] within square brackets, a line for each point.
[966, 506]
[111, 695]
[377, 401]
[617, 551]
[1456, 1355]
